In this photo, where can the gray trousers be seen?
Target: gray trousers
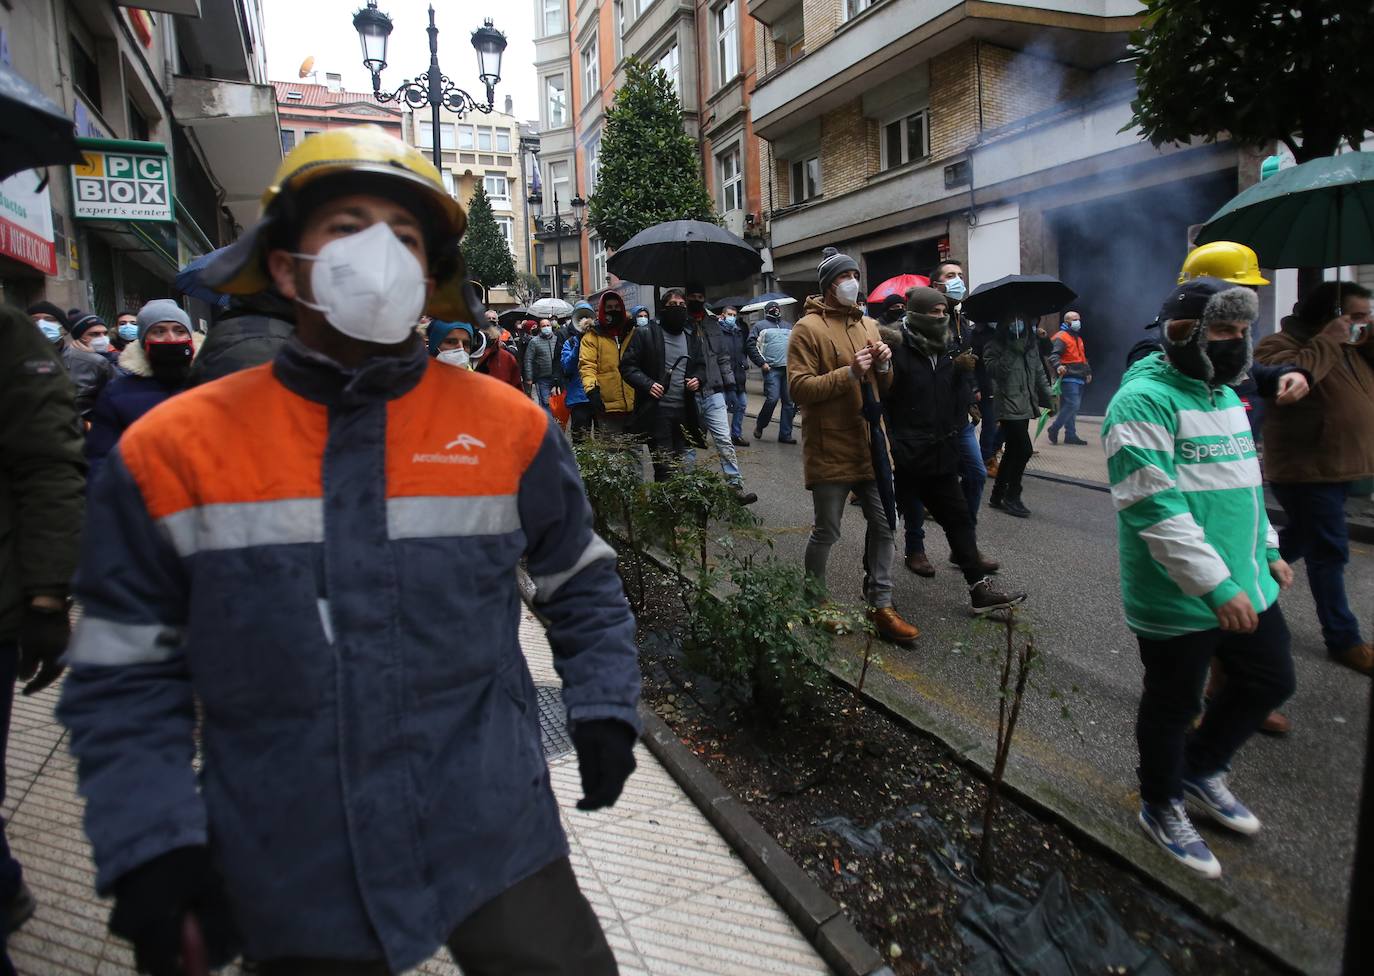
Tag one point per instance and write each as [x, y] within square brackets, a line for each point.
[829, 501]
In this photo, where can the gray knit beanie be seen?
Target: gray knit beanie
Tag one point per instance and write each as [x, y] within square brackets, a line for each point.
[832, 264]
[160, 310]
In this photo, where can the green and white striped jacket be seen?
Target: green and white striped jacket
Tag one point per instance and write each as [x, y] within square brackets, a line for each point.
[1191, 522]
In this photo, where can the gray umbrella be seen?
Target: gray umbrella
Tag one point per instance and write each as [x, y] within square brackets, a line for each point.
[33, 131]
[680, 251]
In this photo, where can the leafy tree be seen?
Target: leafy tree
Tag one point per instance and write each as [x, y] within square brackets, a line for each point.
[1295, 71]
[484, 246]
[650, 168]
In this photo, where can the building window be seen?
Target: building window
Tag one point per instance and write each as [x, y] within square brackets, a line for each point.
[852, 8]
[731, 180]
[553, 17]
[593, 163]
[498, 188]
[558, 183]
[727, 41]
[448, 181]
[465, 137]
[555, 101]
[905, 139]
[138, 123]
[598, 250]
[446, 135]
[619, 28]
[484, 137]
[86, 74]
[503, 140]
[507, 225]
[669, 63]
[806, 179]
[591, 69]
[288, 140]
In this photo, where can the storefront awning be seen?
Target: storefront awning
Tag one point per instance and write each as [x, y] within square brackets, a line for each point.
[236, 126]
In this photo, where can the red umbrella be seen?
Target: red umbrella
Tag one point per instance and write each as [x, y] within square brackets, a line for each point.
[898, 286]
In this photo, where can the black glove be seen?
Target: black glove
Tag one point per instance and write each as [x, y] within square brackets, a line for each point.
[43, 636]
[153, 900]
[594, 398]
[605, 758]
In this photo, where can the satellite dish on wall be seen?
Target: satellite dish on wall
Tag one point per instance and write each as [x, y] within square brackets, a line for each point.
[307, 66]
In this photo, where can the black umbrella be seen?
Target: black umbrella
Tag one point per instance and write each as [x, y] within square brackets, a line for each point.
[682, 251]
[510, 316]
[33, 131]
[882, 461]
[1024, 296]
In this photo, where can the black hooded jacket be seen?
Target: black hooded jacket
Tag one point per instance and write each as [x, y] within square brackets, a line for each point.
[248, 334]
[926, 408]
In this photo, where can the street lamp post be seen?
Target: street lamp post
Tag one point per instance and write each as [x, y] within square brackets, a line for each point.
[432, 88]
[558, 227]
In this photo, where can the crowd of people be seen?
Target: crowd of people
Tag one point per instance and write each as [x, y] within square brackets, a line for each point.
[218, 560]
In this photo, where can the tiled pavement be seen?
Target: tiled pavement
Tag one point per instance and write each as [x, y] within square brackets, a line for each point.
[672, 896]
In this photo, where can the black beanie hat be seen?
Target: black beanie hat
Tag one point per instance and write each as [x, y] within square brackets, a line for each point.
[80, 323]
[48, 308]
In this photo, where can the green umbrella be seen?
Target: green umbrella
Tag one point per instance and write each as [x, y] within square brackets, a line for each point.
[1056, 392]
[1319, 214]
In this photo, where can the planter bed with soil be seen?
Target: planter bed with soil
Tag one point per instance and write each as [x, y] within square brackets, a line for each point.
[888, 823]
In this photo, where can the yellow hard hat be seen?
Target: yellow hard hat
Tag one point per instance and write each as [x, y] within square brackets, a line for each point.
[369, 153]
[1226, 260]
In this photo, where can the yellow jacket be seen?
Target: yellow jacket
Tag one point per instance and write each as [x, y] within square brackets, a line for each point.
[599, 364]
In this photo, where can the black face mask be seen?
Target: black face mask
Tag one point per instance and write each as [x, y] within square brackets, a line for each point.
[894, 315]
[1229, 357]
[674, 318]
[774, 316]
[615, 316]
[696, 306]
[170, 361]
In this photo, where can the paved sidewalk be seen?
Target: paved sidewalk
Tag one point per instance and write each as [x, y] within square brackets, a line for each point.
[672, 896]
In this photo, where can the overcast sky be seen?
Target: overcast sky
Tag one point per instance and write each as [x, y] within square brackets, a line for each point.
[297, 29]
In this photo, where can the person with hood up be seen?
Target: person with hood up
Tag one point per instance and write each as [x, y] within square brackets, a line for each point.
[451, 343]
[88, 371]
[1315, 448]
[1200, 564]
[717, 390]
[494, 359]
[580, 408]
[273, 575]
[248, 333]
[768, 344]
[666, 366]
[154, 367]
[736, 343]
[1069, 361]
[832, 352]
[1017, 383]
[926, 410]
[89, 332]
[599, 359]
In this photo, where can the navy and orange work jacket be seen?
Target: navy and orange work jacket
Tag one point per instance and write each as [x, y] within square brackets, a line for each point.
[325, 560]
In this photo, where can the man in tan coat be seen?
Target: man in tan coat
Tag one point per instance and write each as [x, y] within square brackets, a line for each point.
[1314, 448]
[834, 349]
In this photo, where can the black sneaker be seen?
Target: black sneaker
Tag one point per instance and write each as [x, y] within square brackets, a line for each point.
[1012, 506]
[1054, 437]
[758, 433]
[985, 599]
[745, 497]
[787, 440]
[1076, 441]
[739, 442]
[19, 909]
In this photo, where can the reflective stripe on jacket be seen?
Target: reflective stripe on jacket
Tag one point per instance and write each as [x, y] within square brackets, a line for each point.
[324, 561]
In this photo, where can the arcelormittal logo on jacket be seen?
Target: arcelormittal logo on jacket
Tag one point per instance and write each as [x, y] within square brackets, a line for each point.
[466, 441]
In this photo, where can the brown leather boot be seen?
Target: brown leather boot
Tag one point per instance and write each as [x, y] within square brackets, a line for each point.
[1276, 724]
[891, 626]
[993, 463]
[1358, 658]
[919, 564]
[984, 565]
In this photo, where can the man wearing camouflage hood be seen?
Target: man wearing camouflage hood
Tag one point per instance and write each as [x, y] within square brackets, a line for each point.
[1200, 564]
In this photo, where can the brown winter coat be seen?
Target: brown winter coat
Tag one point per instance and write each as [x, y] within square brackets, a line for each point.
[835, 442]
[1327, 436]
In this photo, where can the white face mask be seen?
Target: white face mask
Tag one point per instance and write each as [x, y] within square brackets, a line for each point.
[641, 320]
[100, 344]
[368, 285]
[455, 357]
[847, 291]
[1075, 326]
[546, 331]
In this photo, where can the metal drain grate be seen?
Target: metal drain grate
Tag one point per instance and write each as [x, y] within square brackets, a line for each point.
[553, 729]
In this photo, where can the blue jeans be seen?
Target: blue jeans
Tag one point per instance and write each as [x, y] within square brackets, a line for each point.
[737, 401]
[1070, 399]
[543, 389]
[990, 434]
[775, 389]
[1316, 531]
[711, 408]
[973, 475]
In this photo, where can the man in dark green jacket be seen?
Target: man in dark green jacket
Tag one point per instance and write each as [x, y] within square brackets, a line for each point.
[42, 484]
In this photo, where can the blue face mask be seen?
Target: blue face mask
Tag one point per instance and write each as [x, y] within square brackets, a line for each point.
[729, 320]
[1073, 326]
[52, 330]
[129, 333]
[955, 288]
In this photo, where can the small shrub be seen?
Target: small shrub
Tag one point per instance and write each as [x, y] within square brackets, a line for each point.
[681, 514]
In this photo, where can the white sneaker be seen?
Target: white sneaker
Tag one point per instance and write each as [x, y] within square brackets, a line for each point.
[1169, 827]
[1212, 794]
